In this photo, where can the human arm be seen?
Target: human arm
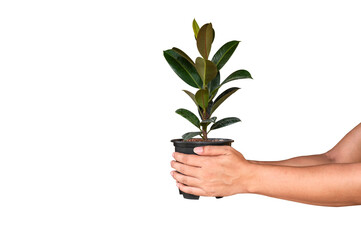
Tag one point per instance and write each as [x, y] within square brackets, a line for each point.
[302, 161]
[326, 185]
[346, 151]
[230, 173]
[223, 171]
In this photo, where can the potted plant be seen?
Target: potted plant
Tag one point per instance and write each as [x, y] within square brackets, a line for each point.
[204, 75]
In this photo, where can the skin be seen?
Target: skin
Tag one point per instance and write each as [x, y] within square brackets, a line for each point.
[329, 179]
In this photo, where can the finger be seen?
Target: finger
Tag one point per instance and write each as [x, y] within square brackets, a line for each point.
[189, 159]
[186, 180]
[185, 169]
[191, 190]
[213, 150]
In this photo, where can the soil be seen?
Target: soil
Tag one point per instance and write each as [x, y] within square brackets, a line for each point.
[201, 140]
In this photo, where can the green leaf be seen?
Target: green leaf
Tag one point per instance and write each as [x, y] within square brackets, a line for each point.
[224, 53]
[240, 74]
[191, 95]
[189, 116]
[202, 98]
[214, 35]
[224, 122]
[214, 85]
[205, 38]
[222, 97]
[189, 135]
[195, 28]
[183, 68]
[209, 108]
[206, 69]
[183, 54]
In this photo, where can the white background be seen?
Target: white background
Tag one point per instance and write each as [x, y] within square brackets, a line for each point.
[87, 107]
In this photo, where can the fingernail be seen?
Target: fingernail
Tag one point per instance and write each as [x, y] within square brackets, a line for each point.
[171, 173]
[173, 155]
[198, 150]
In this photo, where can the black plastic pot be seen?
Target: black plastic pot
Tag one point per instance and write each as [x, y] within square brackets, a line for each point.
[187, 148]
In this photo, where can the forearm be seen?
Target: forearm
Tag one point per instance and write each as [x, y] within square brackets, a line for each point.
[302, 161]
[327, 185]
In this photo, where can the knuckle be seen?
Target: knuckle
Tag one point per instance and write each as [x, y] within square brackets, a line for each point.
[175, 165]
[181, 168]
[206, 149]
[176, 176]
[206, 176]
[184, 180]
[178, 156]
[182, 157]
[202, 176]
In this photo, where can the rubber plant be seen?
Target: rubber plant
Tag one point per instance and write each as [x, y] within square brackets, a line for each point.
[203, 74]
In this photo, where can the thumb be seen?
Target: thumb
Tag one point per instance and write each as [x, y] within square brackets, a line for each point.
[212, 150]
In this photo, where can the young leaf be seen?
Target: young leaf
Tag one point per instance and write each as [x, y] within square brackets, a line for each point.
[183, 68]
[214, 35]
[195, 28]
[191, 95]
[224, 122]
[210, 120]
[202, 98]
[240, 74]
[224, 53]
[183, 54]
[206, 122]
[222, 97]
[189, 135]
[205, 38]
[206, 69]
[189, 116]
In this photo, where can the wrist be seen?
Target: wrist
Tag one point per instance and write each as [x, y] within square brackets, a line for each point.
[250, 182]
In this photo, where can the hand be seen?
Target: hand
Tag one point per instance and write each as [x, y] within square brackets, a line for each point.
[215, 171]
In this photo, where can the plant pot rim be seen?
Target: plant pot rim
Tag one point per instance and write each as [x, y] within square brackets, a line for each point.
[180, 142]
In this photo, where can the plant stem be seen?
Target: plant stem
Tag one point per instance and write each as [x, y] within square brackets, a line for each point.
[204, 116]
[204, 133]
